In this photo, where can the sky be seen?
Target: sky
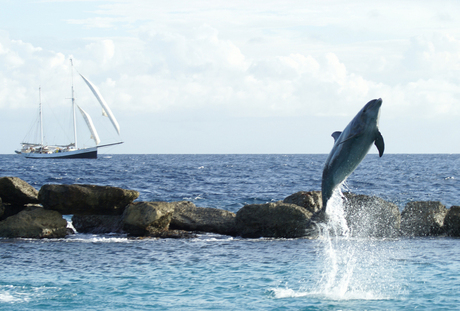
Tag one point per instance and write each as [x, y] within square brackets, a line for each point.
[233, 76]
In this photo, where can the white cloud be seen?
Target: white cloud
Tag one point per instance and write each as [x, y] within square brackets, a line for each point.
[237, 59]
[202, 70]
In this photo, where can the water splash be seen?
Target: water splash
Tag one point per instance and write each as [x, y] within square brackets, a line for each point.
[351, 268]
[336, 224]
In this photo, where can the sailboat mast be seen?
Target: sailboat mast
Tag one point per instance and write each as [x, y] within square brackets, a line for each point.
[73, 111]
[40, 113]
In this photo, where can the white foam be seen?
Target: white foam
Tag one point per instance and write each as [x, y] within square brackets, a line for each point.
[23, 294]
[348, 269]
[14, 294]
[289, 293]
[93, 238]
[8, 298]
[281, 293]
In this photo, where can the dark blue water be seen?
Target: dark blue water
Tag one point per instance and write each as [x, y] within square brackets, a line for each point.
[213, 272]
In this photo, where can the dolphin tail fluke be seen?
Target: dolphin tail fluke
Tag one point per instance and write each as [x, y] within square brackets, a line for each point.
[379, 143]
[325, 196]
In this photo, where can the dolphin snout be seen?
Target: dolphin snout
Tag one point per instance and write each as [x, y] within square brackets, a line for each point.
[374, 104]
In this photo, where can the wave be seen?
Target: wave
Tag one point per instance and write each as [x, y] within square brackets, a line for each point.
[280, 293]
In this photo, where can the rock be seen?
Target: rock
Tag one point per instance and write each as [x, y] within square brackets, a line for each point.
[191, 218]
[173, 234]
[147, 218]
[34, 223]
[98, 224]
[452, 221]
[10, 210]
[13, 209]
[310, 200]
[16, 191]
[86, 199]
[368, 216]
[279, 220]
[2, 209]
[423, 218]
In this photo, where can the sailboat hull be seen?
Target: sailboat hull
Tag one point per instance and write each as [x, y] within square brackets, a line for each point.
[87, 153]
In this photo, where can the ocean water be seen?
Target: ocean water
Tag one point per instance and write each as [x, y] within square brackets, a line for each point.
[214, 272]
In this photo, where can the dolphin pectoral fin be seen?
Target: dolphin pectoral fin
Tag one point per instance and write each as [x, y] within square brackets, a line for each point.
[336, 135]
[379, 143]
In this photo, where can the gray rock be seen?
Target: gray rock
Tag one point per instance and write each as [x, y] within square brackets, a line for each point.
[370, 216]
[452, 221]
[188, 217]
[147, 218]
[86, 199]
[34, 223]
[98, 224]
[423, 218]
[279, 220]
[16, 191]
[310, 200]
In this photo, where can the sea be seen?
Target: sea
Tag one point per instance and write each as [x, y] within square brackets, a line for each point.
[217, 272]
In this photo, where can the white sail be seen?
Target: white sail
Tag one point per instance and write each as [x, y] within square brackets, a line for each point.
[90, 124]
[104, 105]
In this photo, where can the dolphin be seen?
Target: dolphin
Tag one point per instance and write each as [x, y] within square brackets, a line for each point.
[350, 148]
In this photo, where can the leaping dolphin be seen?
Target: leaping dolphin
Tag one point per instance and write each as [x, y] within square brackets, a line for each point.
[350, 148]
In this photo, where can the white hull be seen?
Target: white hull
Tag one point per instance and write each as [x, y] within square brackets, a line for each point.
[87, 153]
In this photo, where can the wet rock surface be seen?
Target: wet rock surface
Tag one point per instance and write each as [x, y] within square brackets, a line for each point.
[16, 191]
[191, 218]
[423, 218]
[36, 223]
[98, 224]
[277, 220]
[310, 200]
[146, 218]
[2, 209]
[370, 216]
[86, 199]
[452, 221]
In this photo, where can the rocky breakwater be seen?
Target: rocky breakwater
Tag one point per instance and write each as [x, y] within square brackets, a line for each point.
[98, 209]
[159, 219]
[104, 209]
[22, 216]
[95, 209]
[370, 216]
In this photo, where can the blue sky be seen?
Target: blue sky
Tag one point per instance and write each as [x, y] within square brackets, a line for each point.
[235, 76]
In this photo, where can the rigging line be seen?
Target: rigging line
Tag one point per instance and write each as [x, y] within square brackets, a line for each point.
[32, 133]
[64, 131]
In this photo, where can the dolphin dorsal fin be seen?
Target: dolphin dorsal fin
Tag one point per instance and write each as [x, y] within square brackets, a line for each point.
[336, 135]
[379, 143]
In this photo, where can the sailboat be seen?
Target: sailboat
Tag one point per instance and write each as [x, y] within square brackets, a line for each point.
[40, 150]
